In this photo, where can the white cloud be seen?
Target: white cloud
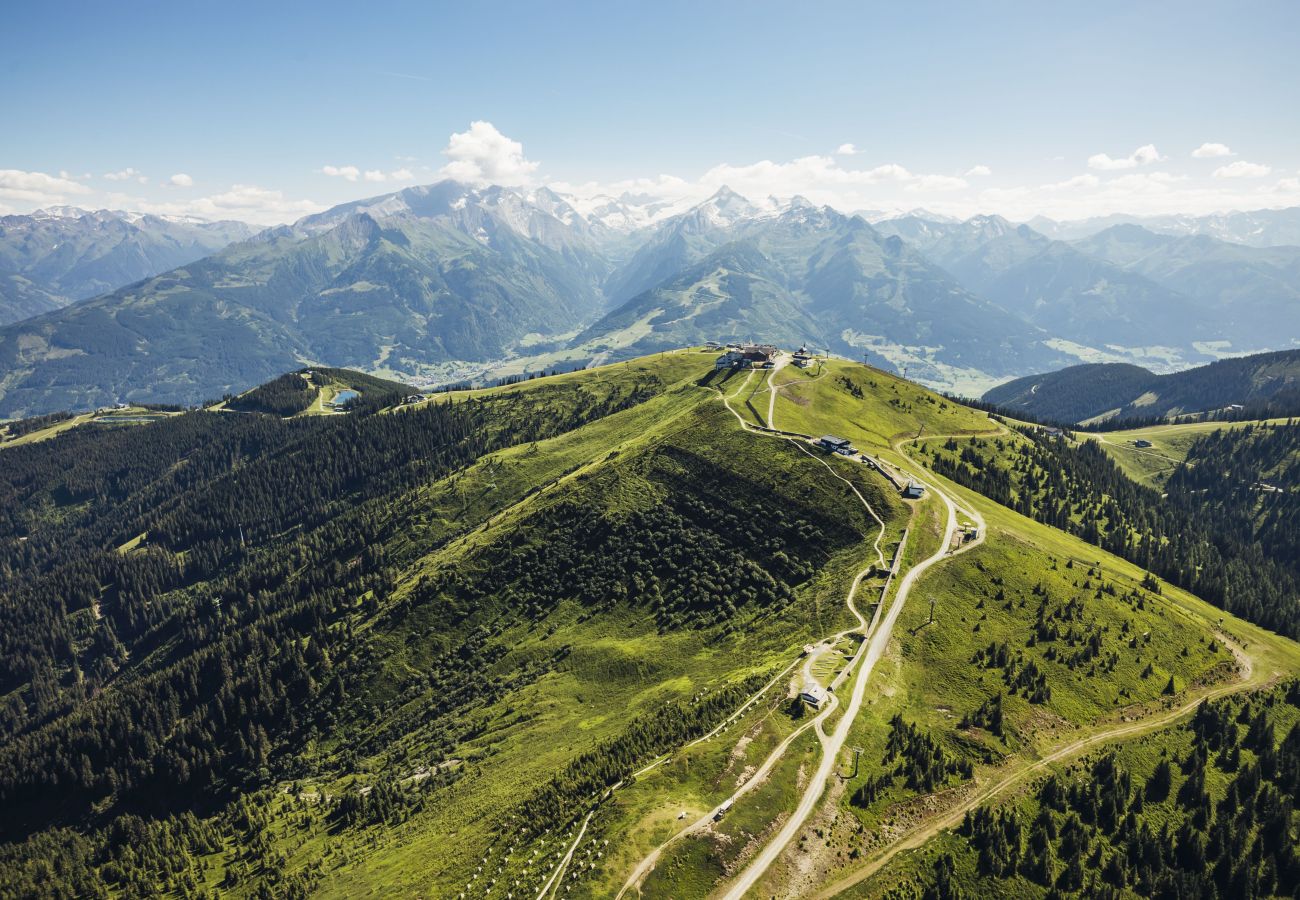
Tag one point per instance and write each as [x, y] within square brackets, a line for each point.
[978, 172]
[375, 176]
[484, 155]
[1212, 151]
[127, 174]
[936, 183]
[847, 150]
[351, 173]
[1142, 156]
[1078, 181]
[38, 188]
[245, 202]
[1242, 169]
[180, 179]
[1287, 184]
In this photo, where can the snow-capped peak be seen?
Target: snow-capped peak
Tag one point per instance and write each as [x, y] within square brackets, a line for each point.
[60, 212]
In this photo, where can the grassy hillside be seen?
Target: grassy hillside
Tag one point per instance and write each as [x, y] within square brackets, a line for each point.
[1170, 445]
[1041, 645]
[514, 640]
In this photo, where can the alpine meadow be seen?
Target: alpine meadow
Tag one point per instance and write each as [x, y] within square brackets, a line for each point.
[761, 453]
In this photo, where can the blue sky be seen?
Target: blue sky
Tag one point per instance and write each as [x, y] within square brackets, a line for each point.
[251, 103]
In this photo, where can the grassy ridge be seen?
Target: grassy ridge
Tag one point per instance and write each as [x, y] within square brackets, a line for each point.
[547, 599]
[1110, 663]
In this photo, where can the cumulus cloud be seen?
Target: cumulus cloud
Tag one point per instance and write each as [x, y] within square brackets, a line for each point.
[350, 173]
[180, 179]
[1142, 156]
[244, 202]
[1212, 151]
[375, 176]
[847, 150]
[978, 171]
[483, 155]
[38, 188]
[127, 174]
[1242, 169]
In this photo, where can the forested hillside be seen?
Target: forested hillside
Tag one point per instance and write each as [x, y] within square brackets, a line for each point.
[201, 612]
[498, 637]
[1205, 811]
[296, 392]
[1265, 384]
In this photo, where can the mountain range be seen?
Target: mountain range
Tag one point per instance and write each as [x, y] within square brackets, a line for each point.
[452, 281]
[59, 255]
[1255, 228]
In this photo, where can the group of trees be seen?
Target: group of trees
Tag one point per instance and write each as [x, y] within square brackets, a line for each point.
[1216, 532]
[35, 423]
[917, 760]
[285, 396]
[582, 780]
[1019, 674]
[1105, 831]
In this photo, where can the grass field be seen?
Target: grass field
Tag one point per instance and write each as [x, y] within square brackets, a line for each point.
[1169, 446]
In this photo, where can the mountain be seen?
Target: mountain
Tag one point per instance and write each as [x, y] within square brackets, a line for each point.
[596, 629]
[681, 241]
[1071, 294]
[418, 281]
[1116, 391]
[733, 294]
[55, 256]
[799, 273]
[1257, 228]
[448, 282]
[1250, 296]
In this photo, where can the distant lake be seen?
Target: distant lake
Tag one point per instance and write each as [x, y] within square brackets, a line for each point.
[343, 397]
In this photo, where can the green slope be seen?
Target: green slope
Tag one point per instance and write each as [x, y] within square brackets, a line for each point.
[409, 653]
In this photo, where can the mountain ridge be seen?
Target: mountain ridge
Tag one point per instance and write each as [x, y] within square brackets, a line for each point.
[1115, 392]
[452, 281]
[60, 255]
